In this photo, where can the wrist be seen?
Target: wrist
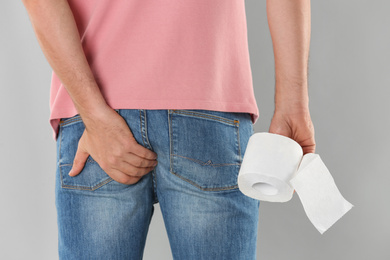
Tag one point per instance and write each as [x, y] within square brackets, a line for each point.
[91, 105]
[291, 97]
[292, 105]
[97, 115]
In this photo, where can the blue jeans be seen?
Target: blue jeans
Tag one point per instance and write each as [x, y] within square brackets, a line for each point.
[199, 155]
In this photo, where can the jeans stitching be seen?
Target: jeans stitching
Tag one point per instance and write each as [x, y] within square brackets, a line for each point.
[69, 121]
[239, 146]
[59, 157]
[202, 163]
[207, 116]
[205, 189]
[146, 130]
[170, 140]
[75, 187]
[154, 180]
[140, 126]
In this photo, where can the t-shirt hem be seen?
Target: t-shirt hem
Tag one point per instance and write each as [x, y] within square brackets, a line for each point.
[248, 107]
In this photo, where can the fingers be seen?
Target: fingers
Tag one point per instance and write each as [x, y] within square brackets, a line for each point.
[138, 161]
[308, 145]
[135, 161]
[132, 170]
[124, 178]
[78, 161]
[308, 150]
[141, 151]
[125, 162]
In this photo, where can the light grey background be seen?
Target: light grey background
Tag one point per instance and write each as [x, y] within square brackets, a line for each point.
[349, 100]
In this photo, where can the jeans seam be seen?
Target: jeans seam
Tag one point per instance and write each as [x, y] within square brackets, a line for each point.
[170, 140]
[146, 130]
[239, 145]
[233, 122]
[202, 163]
[154, 182]
[59, 157]
[154, 179]
[69, 121]
[140, 126]
[75, 187]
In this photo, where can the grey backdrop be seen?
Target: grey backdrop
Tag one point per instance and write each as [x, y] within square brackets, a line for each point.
[349, 100]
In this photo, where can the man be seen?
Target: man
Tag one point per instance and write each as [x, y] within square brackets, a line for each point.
[136, 79]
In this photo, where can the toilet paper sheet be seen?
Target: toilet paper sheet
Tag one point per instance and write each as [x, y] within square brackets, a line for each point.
[273, 166]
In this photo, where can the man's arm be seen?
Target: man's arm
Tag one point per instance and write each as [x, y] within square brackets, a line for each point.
[59, 38]
[107, 137]
[289, 24]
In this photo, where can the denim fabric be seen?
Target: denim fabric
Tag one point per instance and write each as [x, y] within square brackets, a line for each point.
[205, 214]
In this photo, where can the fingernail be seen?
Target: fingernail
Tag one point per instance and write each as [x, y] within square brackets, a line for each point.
[71, 172]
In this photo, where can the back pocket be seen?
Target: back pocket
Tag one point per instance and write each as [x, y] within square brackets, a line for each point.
[92, 176]
[205, 148]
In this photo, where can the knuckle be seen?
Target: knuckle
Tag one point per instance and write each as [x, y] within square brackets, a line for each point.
[135, 173]
[139, 162]
[149, 154]
[143, 152]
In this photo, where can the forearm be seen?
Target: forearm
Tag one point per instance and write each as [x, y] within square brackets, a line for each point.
[289, 24]
[58, 36]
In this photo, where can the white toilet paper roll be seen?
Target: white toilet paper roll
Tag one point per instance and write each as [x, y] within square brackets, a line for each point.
[273, 166]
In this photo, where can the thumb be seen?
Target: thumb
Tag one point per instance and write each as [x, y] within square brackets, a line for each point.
[79, 161]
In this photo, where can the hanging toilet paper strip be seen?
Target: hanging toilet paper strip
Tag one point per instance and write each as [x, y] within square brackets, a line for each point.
[273, 166]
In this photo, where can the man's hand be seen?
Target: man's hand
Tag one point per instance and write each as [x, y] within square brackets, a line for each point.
[295, 124]
[109, 141]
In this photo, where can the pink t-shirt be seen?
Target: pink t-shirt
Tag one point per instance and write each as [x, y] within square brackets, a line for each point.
[163, 54]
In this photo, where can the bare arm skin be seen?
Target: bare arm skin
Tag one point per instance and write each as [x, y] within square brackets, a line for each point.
[290, 25]
[107, 137]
